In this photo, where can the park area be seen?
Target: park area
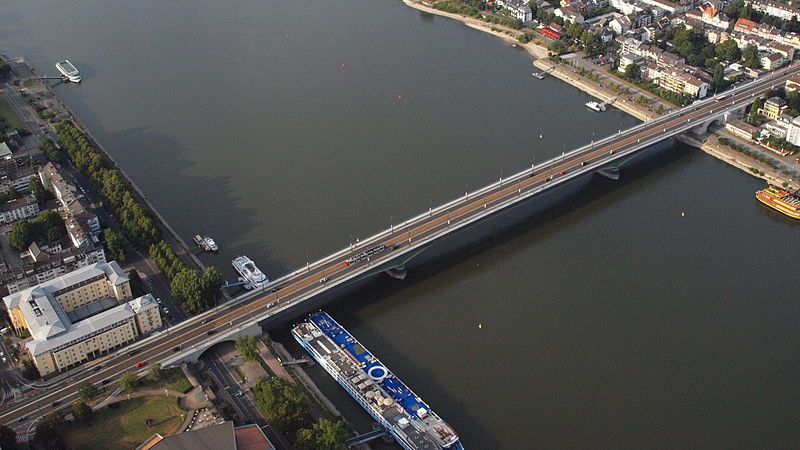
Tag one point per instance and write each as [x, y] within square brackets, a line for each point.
[124, 425]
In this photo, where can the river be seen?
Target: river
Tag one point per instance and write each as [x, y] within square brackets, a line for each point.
[657, 311]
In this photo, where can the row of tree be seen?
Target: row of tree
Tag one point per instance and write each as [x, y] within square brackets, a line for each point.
[137, 223]
[283, 405]
[194, 292]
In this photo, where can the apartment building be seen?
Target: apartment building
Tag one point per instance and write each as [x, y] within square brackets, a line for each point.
[80, 315]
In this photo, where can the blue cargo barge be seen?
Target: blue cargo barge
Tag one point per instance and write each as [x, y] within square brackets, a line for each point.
[387, 399]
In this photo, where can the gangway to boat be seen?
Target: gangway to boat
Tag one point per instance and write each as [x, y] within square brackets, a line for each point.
[234, 283]
[296, 361]
[366, 437]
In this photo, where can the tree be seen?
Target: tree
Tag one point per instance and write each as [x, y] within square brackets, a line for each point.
[8, 438]
[752, 119]
[188, 289]
[87, 390]
[51, 152]
[81, 411]
[38, 191]
[246, 345]
[324, 435]
[212, 282]
[728, 51]
[47, 432]
[155, 372]
[282, 404]
[115, 244]
[128, 381]
[750, 55]
[29, 371]
[632, 72]
[719, 78]
[21, 235]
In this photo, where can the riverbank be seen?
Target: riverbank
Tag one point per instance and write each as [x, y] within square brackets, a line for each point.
[753, 167]
[540, 54]
[164, 225]
[618, 97]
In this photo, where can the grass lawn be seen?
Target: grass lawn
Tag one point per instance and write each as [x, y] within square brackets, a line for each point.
[9, 116]
[124, 427]
[172, 379]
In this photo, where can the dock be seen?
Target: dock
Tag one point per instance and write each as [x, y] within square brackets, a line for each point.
[205, 243]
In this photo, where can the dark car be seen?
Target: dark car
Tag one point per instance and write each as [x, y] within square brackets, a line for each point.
[22, 418]
[175, 349]
[210, 332]
[106, 381]
[132, 352]
[56, 403]
[96, 368]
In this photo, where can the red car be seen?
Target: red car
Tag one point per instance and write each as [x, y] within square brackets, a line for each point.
[140, 364]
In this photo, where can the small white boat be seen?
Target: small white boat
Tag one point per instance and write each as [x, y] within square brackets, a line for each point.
[596, 106]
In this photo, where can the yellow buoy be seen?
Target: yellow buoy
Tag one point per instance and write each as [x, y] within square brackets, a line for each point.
[683, 214]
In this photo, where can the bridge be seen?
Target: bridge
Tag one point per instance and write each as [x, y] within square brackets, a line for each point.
[389, 250]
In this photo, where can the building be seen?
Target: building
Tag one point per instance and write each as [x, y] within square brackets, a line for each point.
[676, 80]
[773, 108]
[570, 15]
[741, 129]
[5, 151]
[773, 61]
[53, 180]
[793, 132]
[19, 209]
[80, 315]
[662, 4]
[517, 9]
[15, 174]
[793, 83]
[772, 8]
[40, 264]
[626, 59]
[215, 437]
[83, 225]
[620, 25]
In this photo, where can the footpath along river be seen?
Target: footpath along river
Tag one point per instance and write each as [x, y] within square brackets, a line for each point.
[658, 311]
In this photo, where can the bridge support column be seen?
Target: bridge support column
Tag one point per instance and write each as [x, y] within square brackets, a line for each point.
[612, 173]
[398, 273]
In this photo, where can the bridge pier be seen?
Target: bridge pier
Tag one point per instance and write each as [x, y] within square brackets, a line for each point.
[612, 173]
[398, 273]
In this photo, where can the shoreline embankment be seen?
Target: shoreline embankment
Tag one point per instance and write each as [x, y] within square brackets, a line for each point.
[541, 60]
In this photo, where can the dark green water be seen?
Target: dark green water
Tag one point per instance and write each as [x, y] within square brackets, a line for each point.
[285, 128]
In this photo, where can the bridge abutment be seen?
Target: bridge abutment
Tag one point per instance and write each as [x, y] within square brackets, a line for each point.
[192, 353]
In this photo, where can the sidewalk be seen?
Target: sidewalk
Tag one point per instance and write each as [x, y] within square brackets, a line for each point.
[744, 162]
